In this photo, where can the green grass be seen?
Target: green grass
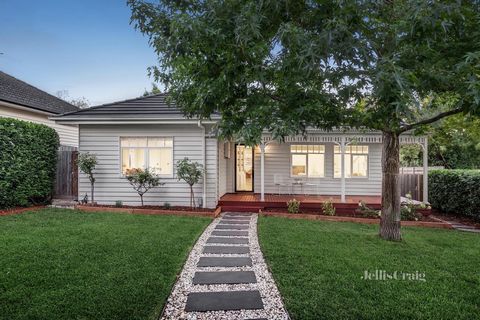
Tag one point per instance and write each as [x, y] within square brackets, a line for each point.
[63, 264]
[318, 268]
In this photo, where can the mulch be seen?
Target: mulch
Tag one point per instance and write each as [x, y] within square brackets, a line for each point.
[18, 210]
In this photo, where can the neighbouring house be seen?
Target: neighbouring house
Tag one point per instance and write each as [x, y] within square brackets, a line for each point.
[22, 101]
[148, 132]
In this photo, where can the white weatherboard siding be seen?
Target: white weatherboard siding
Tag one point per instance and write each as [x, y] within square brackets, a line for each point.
[68, 134]
[110, 186]
[277, 161]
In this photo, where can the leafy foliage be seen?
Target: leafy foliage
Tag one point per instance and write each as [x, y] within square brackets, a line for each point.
[154, 90]
[293, 206]
[328, 208]
[455, 191]
[366, 211]
[284, 66]
[191, 173]
[142, 180]
[28, 157]
[454, 143]
[86, 163]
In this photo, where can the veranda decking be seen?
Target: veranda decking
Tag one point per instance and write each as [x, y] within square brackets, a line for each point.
[247, 201]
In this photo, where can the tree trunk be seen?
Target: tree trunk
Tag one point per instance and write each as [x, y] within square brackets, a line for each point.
[192, 198]
[390, 220]
[92, 187]
[141, 199]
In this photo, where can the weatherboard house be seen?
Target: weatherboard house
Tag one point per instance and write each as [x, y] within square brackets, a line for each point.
[150, 132]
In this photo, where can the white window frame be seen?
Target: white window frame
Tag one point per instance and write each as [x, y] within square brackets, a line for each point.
[147, 159]
[292, 153]
[351, 154]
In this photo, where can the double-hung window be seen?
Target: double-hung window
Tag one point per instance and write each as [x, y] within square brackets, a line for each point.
[154, 153]
[356, 161]
[307, 160]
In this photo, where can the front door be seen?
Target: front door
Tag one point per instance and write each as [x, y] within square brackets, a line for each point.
[243, 168]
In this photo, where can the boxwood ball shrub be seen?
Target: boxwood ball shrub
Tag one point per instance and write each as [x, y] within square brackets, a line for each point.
[28, 158]
[455, 191]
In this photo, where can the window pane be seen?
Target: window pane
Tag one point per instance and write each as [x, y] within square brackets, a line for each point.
[133, 158]
[336, 149]
[160, 160]
[360, 165]
[156, 142]
[133, 142]
[316, 165]
[299, 164]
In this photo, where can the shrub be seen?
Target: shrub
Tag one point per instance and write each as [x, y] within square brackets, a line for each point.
[408, 210]
[87, 163]
[142, 181]
[191, 173]
[328, 208]
[167, 205]
[455, 191]
[119, 203]
[366, 211]
[293, 206]
[28, 158]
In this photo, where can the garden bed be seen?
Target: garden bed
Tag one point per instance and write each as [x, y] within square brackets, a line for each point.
[17, 210]
[425, 222]
[153, 210]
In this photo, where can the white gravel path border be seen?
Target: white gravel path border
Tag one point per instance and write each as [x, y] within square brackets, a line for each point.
[273, 304]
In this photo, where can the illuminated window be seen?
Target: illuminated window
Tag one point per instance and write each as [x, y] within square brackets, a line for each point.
[308, 160]
[356, 161]
[147, 152]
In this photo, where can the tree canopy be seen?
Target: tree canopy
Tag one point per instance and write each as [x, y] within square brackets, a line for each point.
[286, 65]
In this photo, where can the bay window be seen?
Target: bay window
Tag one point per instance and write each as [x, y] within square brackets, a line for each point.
[307, 160]
[356, 161]
[154, 153]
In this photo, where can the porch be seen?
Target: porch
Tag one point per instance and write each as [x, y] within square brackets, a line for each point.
[249, 201]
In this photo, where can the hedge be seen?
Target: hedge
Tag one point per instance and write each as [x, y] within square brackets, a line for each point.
[28, 156]
[455, 191]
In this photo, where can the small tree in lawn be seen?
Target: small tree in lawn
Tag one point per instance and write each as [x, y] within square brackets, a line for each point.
[87, 163]
[142, 181]
[191, 173]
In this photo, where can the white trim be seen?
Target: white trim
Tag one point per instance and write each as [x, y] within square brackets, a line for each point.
[165, 176]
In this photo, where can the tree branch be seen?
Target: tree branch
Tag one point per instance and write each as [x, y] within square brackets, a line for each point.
[430, 120]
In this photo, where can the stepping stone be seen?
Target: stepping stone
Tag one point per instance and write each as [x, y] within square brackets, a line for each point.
[225, 262]
[224, 277]
[238, 214]
[226, 250]
[232, 226]
[224, 300]
[227, 240]
[232, 233]
[237, 218]
[234, 222]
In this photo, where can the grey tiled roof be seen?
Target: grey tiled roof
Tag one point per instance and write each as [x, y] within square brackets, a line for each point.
[21, 93]
[150, 107]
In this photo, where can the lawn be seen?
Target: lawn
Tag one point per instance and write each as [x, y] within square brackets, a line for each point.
[318, 267]
[64, 264]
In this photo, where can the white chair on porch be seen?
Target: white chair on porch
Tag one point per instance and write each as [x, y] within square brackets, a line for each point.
[311, 185]
[279, 181]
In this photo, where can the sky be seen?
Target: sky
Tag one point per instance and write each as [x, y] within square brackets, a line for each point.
[86, 47]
